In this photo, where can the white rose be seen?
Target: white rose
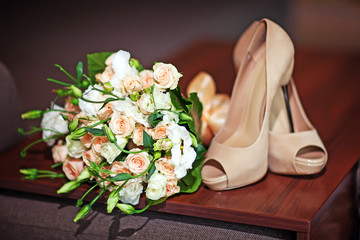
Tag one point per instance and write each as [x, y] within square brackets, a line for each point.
[156, 187]
[90, 109]
[146, 104]
[75, 148]
[122, 68]
[53, 120]
[162, 100]
[166, 76]
[182, 154]
[131, 192]
[109, 151]
[130, 109]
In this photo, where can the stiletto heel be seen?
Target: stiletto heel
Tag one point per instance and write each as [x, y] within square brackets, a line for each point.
[238, 154]
[295, 147]
[288, 110]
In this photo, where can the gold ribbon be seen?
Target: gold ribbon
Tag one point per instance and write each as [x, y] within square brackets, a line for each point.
[215, 106]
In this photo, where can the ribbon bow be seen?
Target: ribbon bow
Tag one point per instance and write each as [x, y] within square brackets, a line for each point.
[215, 106]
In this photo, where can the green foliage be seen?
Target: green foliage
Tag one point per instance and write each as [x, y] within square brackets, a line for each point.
[96, 63]
[191, 182]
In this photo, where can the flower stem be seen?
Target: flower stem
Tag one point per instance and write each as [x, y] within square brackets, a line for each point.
[64, 71]
[23, 152]
[142, 210]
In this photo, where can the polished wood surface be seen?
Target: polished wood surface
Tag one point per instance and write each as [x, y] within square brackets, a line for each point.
[329, 87]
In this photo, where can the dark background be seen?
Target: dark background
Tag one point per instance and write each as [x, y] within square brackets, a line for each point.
[37, 34]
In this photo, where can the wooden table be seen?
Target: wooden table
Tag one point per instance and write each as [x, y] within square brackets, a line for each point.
[316, 207]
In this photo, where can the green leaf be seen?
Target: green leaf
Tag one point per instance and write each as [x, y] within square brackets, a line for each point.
[120, 177]
[79, 70]
[150, 172]
[96, 131]
[195, 110]
[147, 140]
[180, 103]
[154, 202]
[155, 118]
[191, 182]
[110, 99]
[96, 63]
[113, 199]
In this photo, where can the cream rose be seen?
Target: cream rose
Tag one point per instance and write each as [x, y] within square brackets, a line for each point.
[109, 151]
[131, 192]
[120, 65]
[159, 132]
[166, 167]
[53, 120]
[171, 188]
[137, 162]
[72, 167]
[121, 125]
[75, 148]
[105, 76]
[97, 142]
[59, 152]
[132, 83]
[166, 76]
[147, 78]
[156, 187]
[146, 104]
[89, 156]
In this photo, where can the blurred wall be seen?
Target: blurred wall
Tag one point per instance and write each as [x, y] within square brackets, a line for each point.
[36, 35]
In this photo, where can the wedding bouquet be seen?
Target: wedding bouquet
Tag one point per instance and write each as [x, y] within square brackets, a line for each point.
[126, 129]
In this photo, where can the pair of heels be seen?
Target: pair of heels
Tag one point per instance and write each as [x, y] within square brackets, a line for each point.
[266, 127]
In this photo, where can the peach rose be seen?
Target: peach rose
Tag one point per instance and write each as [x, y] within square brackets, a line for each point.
[71, 108]
[109, 60]
[89, 156]
[59, 152]
[137, 136]
[147, 78]
[106, 111]
[137, 162]
[104, 175]
[121, 125]
[171, 188]
[118, 167]
[97, 143]
[159, 132]
[105, 76]
[86, 140]
[72, 167]
[132, 83]
[166, 76]
[165, 166]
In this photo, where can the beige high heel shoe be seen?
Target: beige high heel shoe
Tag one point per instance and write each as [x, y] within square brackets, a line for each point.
[295, 147]
[238, 154]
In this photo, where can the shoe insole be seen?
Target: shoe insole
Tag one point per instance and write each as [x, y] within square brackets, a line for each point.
[246, 112]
